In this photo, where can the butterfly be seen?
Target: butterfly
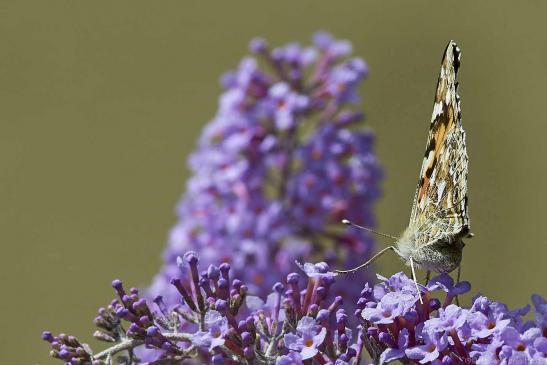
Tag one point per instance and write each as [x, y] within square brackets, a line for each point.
[439, 220]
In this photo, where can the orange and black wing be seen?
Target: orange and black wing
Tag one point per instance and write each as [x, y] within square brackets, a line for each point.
[440, 210]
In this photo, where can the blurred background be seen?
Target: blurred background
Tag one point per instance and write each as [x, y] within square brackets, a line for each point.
[101, 103]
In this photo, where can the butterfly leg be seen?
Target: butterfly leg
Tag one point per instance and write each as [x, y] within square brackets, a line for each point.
[458, 281]
[415, 280]
[427, 276]
[371, 260]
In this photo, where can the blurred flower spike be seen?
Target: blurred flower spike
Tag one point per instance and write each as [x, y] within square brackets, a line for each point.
[283, 161]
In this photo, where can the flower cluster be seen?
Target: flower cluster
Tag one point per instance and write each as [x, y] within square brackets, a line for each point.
[282, 162]
[399, 327]
[216, 321]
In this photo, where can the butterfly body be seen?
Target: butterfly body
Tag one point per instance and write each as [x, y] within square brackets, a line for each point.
[440, 256]
[439, 219]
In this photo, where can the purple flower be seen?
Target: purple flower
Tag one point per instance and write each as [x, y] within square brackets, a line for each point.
[217, 327]
[307, 340]
[434, 343]
[284, 159]
[540, 316]
[394, 353]
[450, 319]
[317, 271]
[520, 347]
[293, 358]
[446, 283]
[398, 281]
[483, 326]
[287, 105]
[385, 312]
[326, 42]
[392, 305]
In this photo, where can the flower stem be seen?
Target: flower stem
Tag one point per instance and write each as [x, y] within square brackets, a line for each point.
[130, 343]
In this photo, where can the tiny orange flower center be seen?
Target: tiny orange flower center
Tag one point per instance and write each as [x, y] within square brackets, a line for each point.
[258, 278]
[316, 154]
[490, 325]
[520, 347]
[308, 342]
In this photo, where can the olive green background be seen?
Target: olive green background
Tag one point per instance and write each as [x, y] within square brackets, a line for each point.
[101, 102]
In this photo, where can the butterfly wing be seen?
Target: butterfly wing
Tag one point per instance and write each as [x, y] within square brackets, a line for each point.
[440, 212]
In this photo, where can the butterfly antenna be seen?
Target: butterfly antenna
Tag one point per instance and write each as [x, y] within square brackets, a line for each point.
[349, 223]
[370, 261]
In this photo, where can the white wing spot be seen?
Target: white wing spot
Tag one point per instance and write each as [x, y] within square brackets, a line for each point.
[430, 158]
[437, 109]
[440, 190]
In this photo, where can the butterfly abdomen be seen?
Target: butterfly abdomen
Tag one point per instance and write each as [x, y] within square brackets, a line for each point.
[440, 257]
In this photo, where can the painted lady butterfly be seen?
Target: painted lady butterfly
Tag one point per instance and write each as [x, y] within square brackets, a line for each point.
[439, 219]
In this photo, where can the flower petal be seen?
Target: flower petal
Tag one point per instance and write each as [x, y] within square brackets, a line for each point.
[308, 352]
[390, 354]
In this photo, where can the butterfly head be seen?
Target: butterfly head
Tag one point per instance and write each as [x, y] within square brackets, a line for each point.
[406, 244]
